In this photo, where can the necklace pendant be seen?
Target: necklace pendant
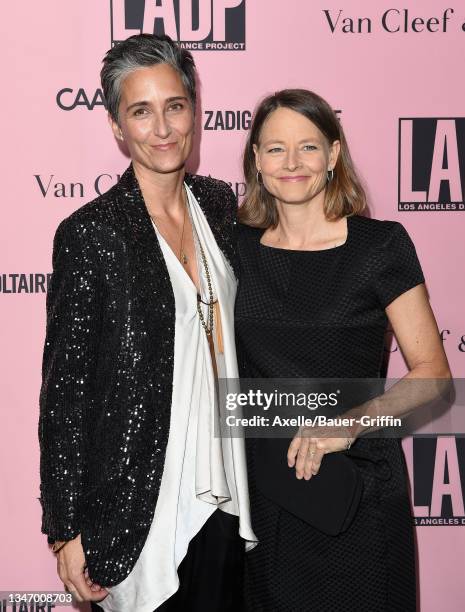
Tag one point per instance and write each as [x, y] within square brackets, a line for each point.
[184, 258]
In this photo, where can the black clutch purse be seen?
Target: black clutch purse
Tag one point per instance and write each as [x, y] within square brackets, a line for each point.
[328, 501]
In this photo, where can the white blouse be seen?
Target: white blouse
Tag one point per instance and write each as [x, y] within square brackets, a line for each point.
[202, 473]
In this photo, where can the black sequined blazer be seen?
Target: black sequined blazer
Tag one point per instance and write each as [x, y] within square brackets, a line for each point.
[107, 372]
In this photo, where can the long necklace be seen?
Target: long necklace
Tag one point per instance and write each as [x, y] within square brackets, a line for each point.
[182, 254]
[207, 323]
[213, 311]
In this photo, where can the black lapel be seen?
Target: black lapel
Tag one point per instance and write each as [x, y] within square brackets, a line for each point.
[142, 238]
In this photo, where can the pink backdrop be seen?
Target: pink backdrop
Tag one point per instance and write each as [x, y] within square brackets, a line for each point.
[374, 78]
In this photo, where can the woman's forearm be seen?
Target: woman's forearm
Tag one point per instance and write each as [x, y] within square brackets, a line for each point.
[422, 385]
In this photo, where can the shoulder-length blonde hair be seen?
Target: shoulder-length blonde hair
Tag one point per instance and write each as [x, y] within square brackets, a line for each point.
[344, 193]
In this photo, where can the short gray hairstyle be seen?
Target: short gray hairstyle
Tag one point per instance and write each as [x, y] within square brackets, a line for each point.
[140, 51]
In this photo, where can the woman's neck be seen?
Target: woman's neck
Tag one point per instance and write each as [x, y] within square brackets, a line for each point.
[305, 227]
[162, 193]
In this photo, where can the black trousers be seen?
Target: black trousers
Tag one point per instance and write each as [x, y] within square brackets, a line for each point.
[211, 573]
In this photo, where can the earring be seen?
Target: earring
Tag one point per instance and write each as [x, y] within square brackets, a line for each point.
[258, 175]
[330, 175]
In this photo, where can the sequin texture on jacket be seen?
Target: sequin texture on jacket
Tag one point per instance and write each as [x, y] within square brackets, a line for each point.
[107, 372]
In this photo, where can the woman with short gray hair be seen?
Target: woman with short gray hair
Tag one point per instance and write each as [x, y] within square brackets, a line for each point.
[143, 506]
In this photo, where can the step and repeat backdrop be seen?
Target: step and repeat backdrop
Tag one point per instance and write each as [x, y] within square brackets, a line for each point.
[394, 74]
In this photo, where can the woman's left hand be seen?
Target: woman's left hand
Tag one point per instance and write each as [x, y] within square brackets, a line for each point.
[309, 446]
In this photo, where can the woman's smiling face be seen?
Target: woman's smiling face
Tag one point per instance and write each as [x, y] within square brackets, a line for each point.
[294, 157]
[156, 118]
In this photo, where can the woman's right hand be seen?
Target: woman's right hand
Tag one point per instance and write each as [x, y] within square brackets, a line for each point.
[72, 570]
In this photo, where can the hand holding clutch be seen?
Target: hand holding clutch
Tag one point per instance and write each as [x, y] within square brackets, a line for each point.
[327, 502]
[310, 445]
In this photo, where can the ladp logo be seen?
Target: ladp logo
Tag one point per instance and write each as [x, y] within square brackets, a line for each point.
[211, 25]
[431, 164]
[438, 480]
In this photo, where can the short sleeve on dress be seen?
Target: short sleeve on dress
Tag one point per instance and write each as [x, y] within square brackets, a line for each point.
[398, 268]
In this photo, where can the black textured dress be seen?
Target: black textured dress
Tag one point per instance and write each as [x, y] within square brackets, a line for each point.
[322, 314]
